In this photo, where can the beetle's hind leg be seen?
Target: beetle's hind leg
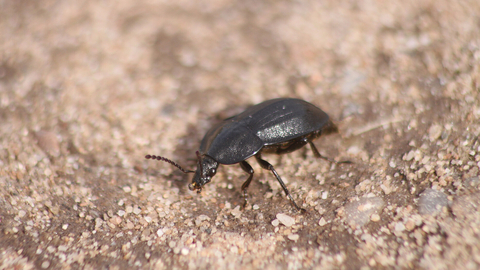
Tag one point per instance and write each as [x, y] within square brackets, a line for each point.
[248, 169]
[318, 155]
[267, 166]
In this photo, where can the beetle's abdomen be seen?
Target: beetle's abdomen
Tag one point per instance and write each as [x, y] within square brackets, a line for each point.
[285, 120]
[272, 122]
[285, 131]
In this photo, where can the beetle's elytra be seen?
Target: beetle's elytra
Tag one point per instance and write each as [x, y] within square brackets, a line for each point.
[275, 126]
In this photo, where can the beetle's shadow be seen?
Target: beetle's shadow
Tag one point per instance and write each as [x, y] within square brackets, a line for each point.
[185, 155]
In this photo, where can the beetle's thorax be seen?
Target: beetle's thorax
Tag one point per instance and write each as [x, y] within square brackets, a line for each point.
[206, 169]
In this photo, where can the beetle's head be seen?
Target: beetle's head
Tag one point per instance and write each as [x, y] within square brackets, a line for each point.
[206, 169]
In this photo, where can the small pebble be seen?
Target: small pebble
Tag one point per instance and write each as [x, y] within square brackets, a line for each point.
[286, 220]
[275, 222]
[409, 156]
[322, 222]
[21, 213]
[45, 264]
[116, 220]
[410, 225]
[200, 219]
[399, 227]
[434, 132]
[392, 164]
[293, 236]
[236, 212]
[137, 210]
[375, 217]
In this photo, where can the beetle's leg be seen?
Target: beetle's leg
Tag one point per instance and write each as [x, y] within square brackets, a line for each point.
[292, 147]
[267, 166]
[317, 155]
[248, 169]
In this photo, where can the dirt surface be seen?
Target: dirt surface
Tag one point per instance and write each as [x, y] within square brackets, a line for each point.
[88, 88]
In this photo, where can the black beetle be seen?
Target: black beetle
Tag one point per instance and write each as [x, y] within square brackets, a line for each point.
[276, 126]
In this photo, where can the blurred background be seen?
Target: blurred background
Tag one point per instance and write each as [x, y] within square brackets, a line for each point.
[88, 88]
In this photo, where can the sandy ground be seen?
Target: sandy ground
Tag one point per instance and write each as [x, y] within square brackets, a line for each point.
[88, 88]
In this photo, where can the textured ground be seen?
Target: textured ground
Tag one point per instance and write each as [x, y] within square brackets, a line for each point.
[87, 88]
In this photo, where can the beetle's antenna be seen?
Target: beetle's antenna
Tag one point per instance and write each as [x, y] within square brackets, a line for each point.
[169, 161]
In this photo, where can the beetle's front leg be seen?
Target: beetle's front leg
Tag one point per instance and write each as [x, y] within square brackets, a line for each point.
[248, 169]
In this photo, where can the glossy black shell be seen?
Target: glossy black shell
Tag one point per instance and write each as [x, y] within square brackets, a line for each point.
[271, 122]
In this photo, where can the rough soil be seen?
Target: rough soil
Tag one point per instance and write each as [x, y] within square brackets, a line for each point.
[88, 88]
